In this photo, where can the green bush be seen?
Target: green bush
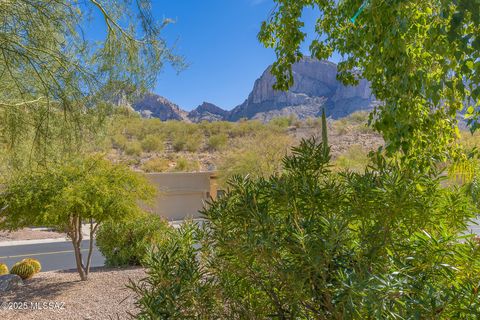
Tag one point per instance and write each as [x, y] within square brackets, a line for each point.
[176, 287]
[119, 141]
[217, 142]
[152, 143]
[355, 158]
[133, 148]
[255, 157]
[309, 243]
[156, 165]
[186, 165]
[126, 242]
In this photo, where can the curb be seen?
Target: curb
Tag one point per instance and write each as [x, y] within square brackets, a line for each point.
[28, 242]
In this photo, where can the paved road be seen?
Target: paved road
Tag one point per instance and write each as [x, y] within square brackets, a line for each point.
[52, 256]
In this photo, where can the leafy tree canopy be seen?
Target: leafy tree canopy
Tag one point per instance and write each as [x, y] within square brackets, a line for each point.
[47, 66]
[421, 57]
[89, 190]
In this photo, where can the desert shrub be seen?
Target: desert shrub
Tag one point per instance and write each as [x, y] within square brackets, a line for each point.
[3, 269]
[217, 142]
[256, 156]
[152, 143]
[194, 142]
[134, 128]
[313, 122]
[23, 269]
[309, 243]
[216, 127]
[37, 266]
[247, 128]
[186, 165]
[126, 242]
[119, 141]
[283, 122]
[358, 117]
[133, 148]
[355, 158]
[187, 141]
[156, 165]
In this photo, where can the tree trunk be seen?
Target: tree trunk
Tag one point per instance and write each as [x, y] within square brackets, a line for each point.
[76, 235]
[93, 229]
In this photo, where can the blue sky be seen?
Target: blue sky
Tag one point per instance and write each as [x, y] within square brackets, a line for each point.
[218, 39]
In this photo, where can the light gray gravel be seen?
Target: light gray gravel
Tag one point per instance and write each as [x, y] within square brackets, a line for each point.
[61, 295]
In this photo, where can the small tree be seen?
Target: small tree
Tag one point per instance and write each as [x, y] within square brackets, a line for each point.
[90, 190]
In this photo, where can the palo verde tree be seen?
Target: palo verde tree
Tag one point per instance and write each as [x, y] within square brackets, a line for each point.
[85, 191]
[48, 66]
[422, 59]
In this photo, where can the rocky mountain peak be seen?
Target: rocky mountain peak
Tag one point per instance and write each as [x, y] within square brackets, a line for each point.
[315, 87]
[207, 112]
[153, 105]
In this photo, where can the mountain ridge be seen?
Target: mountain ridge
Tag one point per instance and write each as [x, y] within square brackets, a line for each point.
[315, 87]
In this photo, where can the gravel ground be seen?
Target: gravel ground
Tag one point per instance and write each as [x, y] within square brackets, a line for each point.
[29, 234]
[102, 296]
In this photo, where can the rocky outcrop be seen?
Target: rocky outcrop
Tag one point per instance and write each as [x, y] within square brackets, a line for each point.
[152, 105]
[10, 282]
[315, 87]
[207, 112]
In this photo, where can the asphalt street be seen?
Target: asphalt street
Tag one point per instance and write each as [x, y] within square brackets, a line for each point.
[52, 256]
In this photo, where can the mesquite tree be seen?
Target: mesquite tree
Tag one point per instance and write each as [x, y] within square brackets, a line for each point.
[86, 191]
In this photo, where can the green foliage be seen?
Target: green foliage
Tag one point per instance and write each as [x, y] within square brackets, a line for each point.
[49, 68]
[217, 142]
[126, 242]
[183, 164]
[355, 158]
[310, 243]
[256, 156]
[177, 287]
[64, 197]
[37, 266]
[421, 58]
[156, 165]
[23, 269]
[184, 141]
[133, 148]
[3, 269]
[283, 122]
[152, 143]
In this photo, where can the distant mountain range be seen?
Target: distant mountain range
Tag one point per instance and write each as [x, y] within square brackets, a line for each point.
[315, 87]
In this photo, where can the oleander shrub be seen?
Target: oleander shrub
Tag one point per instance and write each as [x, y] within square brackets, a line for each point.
[126, 242]
[3, 269]
[37, 266]
[24, 270]
[176, 286]
[389, 242]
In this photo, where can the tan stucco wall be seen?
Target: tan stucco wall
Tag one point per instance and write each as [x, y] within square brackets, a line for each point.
[181, 195]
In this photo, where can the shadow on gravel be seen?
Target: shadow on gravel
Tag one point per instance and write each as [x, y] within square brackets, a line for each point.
[33, 289]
